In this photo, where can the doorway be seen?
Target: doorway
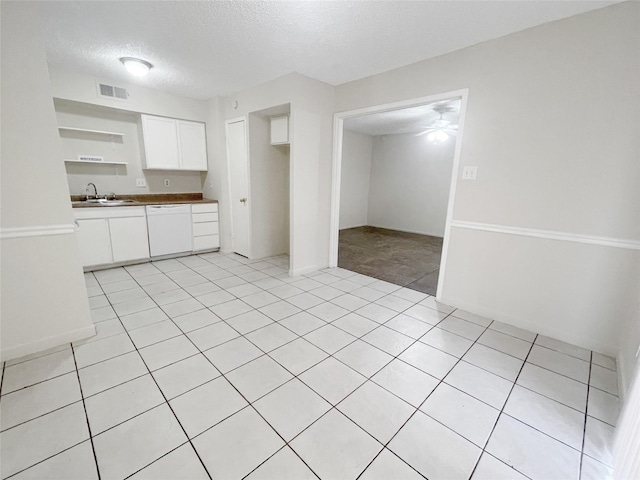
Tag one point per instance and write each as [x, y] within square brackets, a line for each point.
[394, 175]
[259, 186]
[238, 158]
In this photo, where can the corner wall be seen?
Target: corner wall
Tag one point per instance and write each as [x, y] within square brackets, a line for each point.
[548, 165]
[44, 298]
[410, 181]
[311, 123]
[357, 155]
[269, 197]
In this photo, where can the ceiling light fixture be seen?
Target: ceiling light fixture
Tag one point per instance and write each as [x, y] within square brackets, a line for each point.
[438, 136]
[135, 66]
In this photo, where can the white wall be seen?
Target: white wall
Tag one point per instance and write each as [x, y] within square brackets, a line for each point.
[120, 179]
[82, 88]
[547, 161]
[311, 124]
[410, 179]
[357, 151]
[269, 197]
[215, 183]
[44, 299]
[629, 340]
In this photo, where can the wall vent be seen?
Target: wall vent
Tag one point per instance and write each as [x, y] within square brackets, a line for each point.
[110, 91]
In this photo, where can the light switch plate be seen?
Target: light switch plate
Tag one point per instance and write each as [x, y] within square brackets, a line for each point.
[469, 173]
[141, 182]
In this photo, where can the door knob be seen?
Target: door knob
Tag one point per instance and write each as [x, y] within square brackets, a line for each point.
[243, 200]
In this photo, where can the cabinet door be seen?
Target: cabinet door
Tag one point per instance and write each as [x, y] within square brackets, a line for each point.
[193, 145]
[94, 242]
[129, 238]
[279, 130]
[160, 143]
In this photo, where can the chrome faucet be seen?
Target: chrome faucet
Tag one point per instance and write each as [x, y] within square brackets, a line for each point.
[95, 190]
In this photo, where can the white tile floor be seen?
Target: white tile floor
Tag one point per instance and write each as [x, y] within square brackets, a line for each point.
[213, 366]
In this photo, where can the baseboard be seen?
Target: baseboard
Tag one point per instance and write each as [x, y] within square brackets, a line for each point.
[304, 271]
[622, 384]
[562, 335]
[386, 227]
[354, 226]
[23, 349]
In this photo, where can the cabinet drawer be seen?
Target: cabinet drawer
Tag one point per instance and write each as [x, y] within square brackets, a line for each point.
[204, 217]
[208, 228]
[206, 242]
[204, 207]
[108, 212]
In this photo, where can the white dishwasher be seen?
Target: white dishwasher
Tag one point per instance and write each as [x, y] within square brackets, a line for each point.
[169, 229]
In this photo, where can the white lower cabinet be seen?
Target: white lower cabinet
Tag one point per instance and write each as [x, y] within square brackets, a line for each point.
[116, 235]
[108, 235]
[129, 239]
[94, 241]
[206, 234]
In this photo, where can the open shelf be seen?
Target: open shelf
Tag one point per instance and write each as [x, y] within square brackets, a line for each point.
[70, 160]
[86, 130]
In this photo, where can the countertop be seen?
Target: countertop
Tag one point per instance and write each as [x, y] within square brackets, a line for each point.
[146, 199]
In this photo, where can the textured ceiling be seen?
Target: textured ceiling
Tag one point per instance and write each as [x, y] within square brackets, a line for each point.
[405, 120]
[201, 49]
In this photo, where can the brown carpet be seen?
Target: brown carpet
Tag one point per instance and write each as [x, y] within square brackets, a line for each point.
[406, 259]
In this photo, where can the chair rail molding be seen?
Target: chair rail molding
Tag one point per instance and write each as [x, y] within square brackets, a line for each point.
[549, 234]
[37, 231]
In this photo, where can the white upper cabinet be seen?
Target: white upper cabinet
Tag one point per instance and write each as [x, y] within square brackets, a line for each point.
[280, 130]
[171, 144]
[192, 145]
[160, 143]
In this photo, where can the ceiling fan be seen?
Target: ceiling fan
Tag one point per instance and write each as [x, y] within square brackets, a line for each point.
[440, 130]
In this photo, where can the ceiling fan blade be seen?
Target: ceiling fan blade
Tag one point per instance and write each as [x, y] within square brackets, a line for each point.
[423, 133]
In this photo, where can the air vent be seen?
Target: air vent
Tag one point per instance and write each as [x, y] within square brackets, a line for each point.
[110, 91]
[120, 93]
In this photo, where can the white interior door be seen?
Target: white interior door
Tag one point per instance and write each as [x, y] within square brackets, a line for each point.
[238, 185]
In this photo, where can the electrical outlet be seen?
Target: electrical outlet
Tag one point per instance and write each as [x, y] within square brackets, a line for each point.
[166, 182]
[469, 173]
[141, 182]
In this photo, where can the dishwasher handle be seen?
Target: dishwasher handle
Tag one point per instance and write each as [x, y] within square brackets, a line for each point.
[168, 209]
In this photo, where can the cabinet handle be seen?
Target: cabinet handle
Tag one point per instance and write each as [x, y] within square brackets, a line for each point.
[243, 200]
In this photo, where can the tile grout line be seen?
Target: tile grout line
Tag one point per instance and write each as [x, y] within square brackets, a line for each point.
[287, 443]
[259, 348]
[506, 400]
[86, 415]
[379, 324]
[249, 404]
[368, 378]
[440, 381]
[166, 401]
[586, 413]
[298, 336]
[4, 365]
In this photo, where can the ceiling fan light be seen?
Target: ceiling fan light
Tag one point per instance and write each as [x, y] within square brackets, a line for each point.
[135, 66]
[438, 136]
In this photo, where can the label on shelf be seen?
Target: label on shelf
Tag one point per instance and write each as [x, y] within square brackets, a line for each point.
[90, 158]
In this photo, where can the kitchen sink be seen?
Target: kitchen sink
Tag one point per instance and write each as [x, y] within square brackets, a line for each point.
[105, 202]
